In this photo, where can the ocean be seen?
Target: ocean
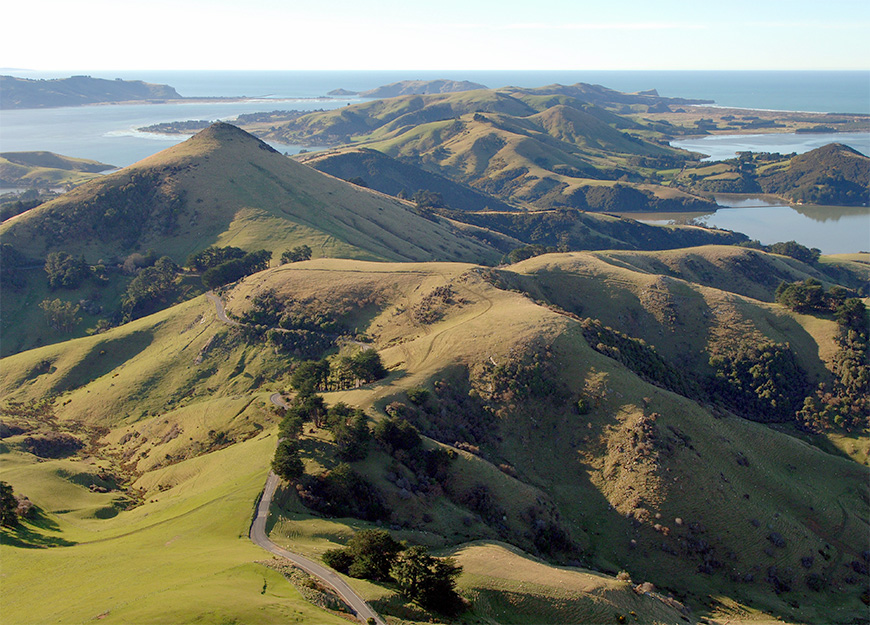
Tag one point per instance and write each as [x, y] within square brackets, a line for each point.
[817, 91]
[109, 133]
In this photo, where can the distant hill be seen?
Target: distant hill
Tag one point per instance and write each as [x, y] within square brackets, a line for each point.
[541, 149]
[834, 174]
[46, 169]
[394, 177]
[420, 87]
[22, 93]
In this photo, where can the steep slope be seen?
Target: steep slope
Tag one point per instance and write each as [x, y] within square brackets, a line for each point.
[224, 186]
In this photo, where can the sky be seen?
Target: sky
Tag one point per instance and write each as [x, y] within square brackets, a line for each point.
[436, 35]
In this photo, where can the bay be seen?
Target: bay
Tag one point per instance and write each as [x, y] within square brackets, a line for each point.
[109, 133]
[722, 147]
[832, 229]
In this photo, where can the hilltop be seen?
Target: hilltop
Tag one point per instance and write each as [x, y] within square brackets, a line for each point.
[222, 187]
[46, 169]
[22, 93]
[834, 174]
[420, 87]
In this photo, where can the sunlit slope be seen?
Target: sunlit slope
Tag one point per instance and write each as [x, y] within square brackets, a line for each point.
[692, 499]
[695, 492]
[226, 187]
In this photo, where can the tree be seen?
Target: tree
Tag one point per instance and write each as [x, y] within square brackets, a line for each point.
[65, 271]
[212, 257]
[374, 553]
[396, 433]
[349, 427]
[310, 376]
[297, 254]
[287, 464]
[150, 287]
[60, 315]
[429, 581]
[8, 505]
[367, 366]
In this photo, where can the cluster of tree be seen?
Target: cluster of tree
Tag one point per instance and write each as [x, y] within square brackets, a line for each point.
[11, 263]
[236, 269]
[338, 373]
[792, 249]
[222, 265]
[295, 255]
[12, 507]
[342, 492]
[810, 296]
[121, 209]
[846, 402]
[760, 381]
[375, 555]
[527, 251]
[151, 287]
[61, 316]
[65, 270]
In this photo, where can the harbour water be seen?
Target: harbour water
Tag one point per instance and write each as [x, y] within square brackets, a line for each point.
[108, 133]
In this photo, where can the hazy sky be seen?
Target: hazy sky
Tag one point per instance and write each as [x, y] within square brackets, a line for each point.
[441, 34]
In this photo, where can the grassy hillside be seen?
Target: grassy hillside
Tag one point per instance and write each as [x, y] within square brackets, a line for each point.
[222, 187]
[535, 146]
[721, 515]
[46, 169]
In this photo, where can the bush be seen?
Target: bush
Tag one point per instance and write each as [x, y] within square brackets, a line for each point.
[52, 445]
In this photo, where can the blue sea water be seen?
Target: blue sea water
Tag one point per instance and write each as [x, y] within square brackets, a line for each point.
[817, 91]
[109, 133]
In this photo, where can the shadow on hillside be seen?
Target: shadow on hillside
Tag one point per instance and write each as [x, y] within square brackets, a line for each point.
[29, 535]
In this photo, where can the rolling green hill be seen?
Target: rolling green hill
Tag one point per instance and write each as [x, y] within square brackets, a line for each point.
[46, 169]
[538, 148]
[221, 187]
[570, 462]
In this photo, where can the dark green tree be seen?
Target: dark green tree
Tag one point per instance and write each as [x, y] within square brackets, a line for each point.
[61, 316]
[310, 376]
[287, 464]
[429, 581]
[8, 505]
[366, 366]
[65, 270]
[349, 427]
[297, 254]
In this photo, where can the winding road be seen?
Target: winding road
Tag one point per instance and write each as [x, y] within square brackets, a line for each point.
[258, 527]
